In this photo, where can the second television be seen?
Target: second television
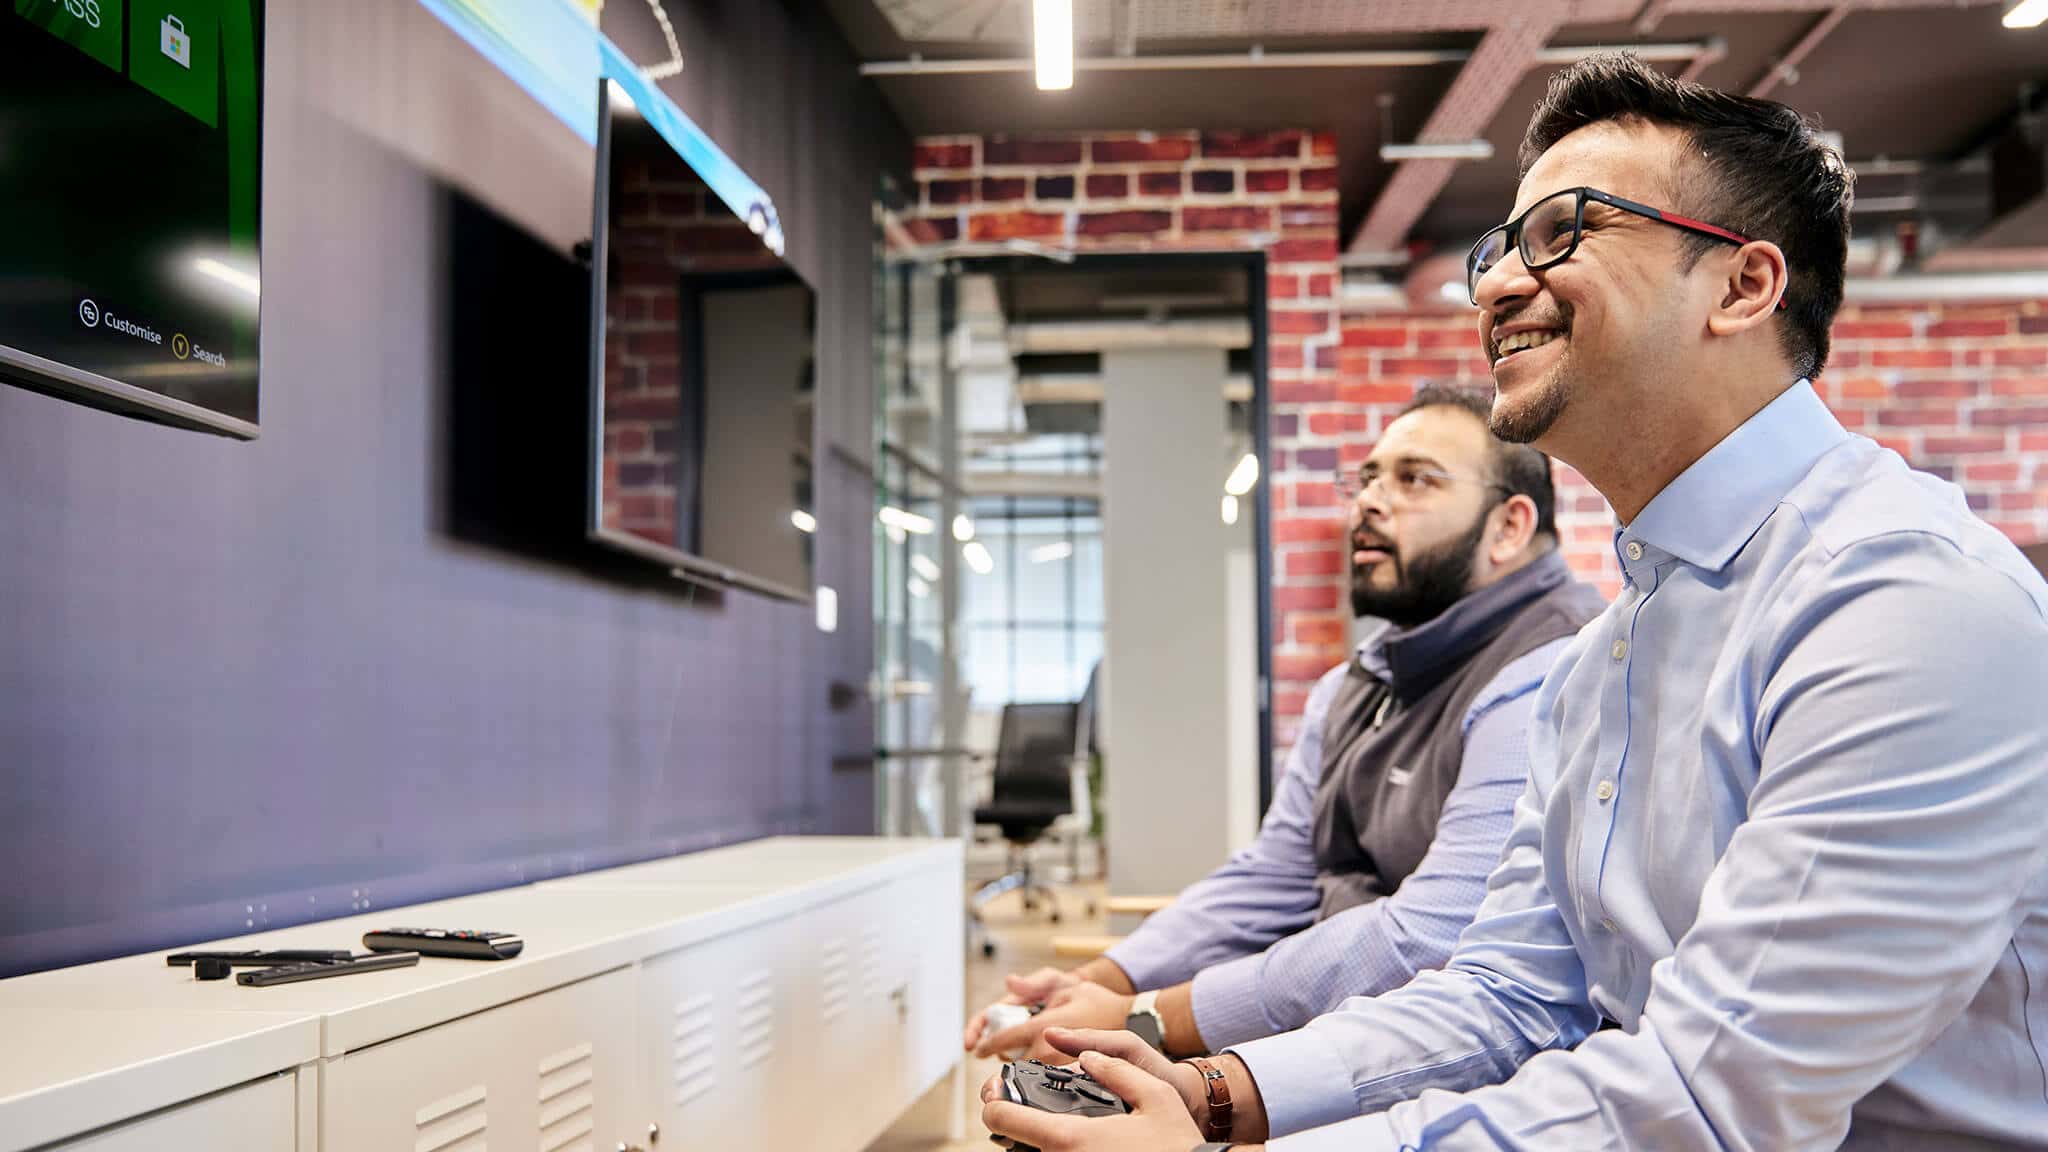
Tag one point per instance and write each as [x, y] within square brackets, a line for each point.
[703, 371]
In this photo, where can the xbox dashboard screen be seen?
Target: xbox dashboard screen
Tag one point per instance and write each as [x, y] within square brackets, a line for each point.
[130, 163]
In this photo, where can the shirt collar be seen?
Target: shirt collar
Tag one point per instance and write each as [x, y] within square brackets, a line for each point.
[1710, 511]
[1413, 659]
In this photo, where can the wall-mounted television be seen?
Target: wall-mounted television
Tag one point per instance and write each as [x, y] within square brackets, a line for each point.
[703, 371]
[130, 184]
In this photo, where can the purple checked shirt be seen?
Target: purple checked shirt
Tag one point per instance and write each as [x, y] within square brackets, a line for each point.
[1247, 933]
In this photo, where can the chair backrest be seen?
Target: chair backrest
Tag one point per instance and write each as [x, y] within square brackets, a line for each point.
[1035, 752]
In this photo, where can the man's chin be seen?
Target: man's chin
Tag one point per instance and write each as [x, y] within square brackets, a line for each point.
[1522, 415]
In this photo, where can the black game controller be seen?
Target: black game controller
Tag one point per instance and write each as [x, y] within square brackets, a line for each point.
[1069, 1091]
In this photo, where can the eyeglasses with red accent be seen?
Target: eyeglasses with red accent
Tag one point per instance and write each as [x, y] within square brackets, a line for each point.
[1548, 232]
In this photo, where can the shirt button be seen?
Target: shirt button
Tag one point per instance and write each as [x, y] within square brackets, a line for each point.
[1634, 549]
[1620, 650]
[1605, 791]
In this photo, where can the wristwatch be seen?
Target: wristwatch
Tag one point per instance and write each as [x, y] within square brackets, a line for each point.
[1213, 1146]
[1144, 1019]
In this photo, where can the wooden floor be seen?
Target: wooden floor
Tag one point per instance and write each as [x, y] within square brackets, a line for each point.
[1023, 942]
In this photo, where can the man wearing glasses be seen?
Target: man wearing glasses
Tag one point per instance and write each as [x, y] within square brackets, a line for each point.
[1780, 881]
[1399, 793]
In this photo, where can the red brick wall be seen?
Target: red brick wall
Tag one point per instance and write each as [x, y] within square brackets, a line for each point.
[1274, 192]
[665, 225]
[1959, 389]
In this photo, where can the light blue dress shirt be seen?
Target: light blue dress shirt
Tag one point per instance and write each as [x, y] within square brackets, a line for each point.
[1247, 934]
[1796, 847]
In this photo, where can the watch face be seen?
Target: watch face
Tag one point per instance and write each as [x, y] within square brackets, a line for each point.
[1146, 1026]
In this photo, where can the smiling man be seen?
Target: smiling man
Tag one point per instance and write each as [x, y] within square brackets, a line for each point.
[1779, 881]
[1399, 793]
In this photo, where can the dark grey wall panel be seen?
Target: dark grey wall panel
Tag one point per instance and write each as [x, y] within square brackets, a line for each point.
[266, 682]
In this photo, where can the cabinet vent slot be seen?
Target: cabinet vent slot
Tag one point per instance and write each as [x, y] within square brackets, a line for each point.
[451, 1124]
[871, 961]
[695, 1055]
[756, 1019]
[833, 980]
[566, 1100]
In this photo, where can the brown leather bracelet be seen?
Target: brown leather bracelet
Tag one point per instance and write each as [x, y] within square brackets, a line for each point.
[1217, 1127]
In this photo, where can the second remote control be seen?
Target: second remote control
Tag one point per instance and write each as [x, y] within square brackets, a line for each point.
[459, 944]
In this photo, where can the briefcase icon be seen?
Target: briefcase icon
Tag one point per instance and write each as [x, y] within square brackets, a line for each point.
[175, 43]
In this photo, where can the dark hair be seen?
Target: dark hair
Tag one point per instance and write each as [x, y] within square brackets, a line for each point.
[1755, 167]
[1520, 469]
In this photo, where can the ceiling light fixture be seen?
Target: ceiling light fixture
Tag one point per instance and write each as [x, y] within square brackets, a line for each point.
[1229, 508]
[1243, 476]
[963, 528]
[1052, 37]
[2027, 14]
[903, 521]
[924, 566]
[803, 520]
[1459, 150]
[978, 557]
[1057, 550]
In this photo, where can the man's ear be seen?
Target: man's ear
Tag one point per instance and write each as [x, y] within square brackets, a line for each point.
[1514, 526]
[1753, 281]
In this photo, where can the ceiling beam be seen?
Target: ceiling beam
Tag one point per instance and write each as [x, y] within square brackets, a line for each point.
[1785, 68]
[1503, 57]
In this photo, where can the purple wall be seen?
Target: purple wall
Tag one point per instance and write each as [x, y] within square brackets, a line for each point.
[263, 682]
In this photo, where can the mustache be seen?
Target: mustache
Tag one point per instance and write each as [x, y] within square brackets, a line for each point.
[1362, 541]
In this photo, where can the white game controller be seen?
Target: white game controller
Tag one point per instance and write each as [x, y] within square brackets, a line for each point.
[1002, 1017]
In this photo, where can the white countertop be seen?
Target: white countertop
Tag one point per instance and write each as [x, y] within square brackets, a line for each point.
[94, 1042]
[64, 1071]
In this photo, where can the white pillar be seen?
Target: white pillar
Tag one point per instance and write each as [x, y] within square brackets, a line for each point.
[1167, 788]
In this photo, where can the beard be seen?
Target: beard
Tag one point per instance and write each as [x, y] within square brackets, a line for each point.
[1525, 420]
[1425, 582]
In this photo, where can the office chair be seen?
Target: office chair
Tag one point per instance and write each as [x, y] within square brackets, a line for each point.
[1032, 787]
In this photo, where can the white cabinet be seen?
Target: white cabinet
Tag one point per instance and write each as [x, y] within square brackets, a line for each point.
[789, 995]
[258, 1118]
[552, 1072]
[718, 1044]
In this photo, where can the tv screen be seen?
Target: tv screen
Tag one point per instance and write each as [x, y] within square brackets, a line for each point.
[703, 371]
[130, 179]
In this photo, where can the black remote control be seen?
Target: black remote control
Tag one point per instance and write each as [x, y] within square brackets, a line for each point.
[1065, 1090]
[259, 957]
[458, 944]
[321, 970]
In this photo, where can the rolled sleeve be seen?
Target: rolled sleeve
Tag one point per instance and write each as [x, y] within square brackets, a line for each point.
[1304, 1080]
[1264, 893]
[1381, 945]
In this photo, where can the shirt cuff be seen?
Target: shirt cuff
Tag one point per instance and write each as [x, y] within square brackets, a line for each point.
[1359, 1134]
[1302, 1078]
[1143, 970]
[1227, 1005]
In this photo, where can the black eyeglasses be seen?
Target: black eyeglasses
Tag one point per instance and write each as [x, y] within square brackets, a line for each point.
[1407, 482]
[1548, 232]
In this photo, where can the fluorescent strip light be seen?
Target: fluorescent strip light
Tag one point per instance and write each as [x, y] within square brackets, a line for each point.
[909, 522]
[803, 520]
[2025, 14]
[978, 557]
[1243, 476]
[1057, 550]
[924, 566]
[1052, 36]
[230, 276]
[1460, 150]
[1229, 508]
[963, 528]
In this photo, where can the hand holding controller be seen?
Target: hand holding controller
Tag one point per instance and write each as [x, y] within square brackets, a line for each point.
[1069, 1091]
